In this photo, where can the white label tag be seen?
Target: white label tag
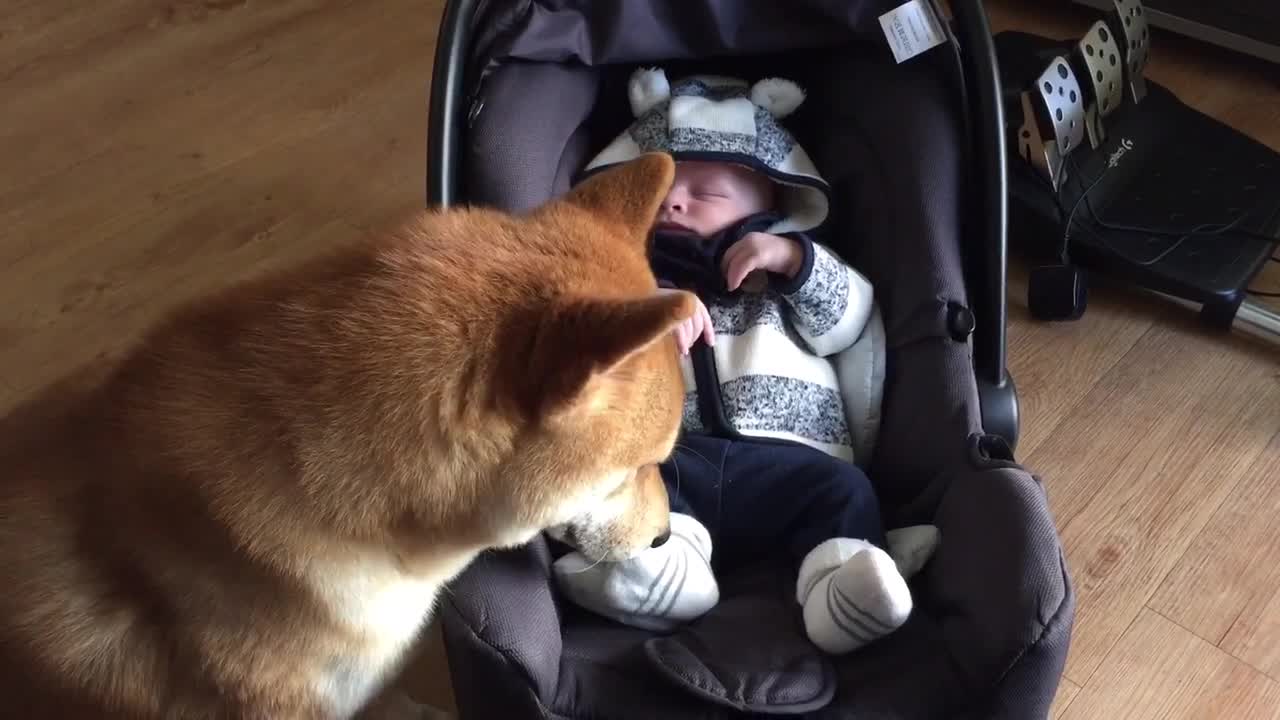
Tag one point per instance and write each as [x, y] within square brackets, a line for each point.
[912, 28]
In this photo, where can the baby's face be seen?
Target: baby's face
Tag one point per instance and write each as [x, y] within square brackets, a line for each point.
[707, 197]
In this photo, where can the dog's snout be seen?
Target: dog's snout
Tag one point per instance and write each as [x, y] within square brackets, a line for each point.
[661, 539]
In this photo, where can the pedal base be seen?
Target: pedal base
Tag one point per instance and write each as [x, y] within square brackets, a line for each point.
[1167, 166]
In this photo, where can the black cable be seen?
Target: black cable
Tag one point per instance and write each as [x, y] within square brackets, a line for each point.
[1183, 234]
[1197, 231]
[1227, 228]
[1084, 199]
[1063, 250]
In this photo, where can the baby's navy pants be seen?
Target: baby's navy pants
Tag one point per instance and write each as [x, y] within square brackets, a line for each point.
[759, 497]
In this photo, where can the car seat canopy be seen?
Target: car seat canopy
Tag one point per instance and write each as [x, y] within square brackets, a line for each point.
[594, 33]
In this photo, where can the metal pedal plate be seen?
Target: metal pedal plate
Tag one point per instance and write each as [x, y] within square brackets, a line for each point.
[1053, 119]
[1131, 19]
[1040, 152]
[1063, 100]
[1100, 57]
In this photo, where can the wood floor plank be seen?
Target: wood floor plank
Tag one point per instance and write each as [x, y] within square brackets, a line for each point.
[1255, 635]
[155, 77]
[155, 234]
[1067, 692]
[1268, 281]
[191, 247]
[1230, 571]
[1055, 365]
[1169, 371]
[1144, 462]
[8, 396]
[1160, 671]
[127, 138]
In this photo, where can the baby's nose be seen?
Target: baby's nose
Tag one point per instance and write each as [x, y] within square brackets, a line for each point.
[675, 201]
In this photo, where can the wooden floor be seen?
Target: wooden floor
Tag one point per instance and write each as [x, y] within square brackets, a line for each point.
[1160, 445]
[153, 150]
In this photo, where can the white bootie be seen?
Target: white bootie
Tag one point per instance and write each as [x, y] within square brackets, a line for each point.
[658, 589]
[852, 593]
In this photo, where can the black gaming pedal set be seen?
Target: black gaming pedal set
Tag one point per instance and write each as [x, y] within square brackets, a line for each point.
[1109, 171]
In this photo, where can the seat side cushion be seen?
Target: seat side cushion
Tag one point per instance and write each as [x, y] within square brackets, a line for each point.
[506, 600]
[993, 606]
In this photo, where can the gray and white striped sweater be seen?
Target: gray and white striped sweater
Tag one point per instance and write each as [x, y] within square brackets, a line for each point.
[773, 357]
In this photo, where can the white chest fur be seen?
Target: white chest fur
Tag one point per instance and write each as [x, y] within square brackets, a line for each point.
[384, 609]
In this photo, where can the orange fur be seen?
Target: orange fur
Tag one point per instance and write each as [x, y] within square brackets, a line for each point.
[252, 514]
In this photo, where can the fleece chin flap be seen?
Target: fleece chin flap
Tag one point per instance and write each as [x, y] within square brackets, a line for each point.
[649, 87]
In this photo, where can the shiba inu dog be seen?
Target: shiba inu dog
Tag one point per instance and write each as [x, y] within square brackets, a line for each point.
[252, 514]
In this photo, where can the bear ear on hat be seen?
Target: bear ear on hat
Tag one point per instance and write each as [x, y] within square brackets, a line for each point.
[649, 87]
[780, 97]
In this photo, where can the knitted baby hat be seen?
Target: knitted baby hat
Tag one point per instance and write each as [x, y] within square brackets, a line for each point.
[713, 117]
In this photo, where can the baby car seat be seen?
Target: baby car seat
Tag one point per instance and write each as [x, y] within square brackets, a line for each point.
[524, 93]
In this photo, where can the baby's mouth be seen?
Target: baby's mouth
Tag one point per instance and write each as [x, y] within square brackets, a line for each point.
[672, 227]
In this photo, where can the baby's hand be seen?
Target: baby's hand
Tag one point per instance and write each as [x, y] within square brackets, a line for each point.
[761, 251]
[688, 331]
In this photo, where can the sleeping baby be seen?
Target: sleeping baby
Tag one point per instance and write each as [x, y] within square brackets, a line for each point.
[765, 462]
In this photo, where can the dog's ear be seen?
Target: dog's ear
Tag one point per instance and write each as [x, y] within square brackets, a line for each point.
[629, 193]
[580, 343]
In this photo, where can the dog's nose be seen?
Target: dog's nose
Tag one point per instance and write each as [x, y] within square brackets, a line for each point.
[661, 539]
